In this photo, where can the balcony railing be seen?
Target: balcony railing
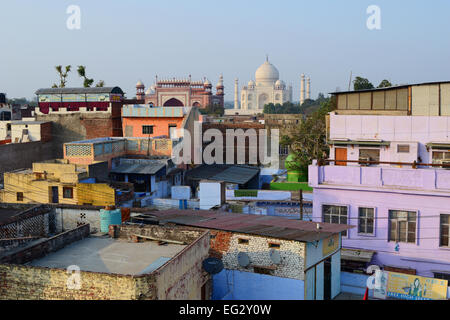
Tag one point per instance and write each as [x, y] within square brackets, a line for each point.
[413, 165]
[426, 178]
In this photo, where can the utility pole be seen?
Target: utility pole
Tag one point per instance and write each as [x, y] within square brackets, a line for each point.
[301, 204]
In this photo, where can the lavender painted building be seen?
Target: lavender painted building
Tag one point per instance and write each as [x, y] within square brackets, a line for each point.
[391, 177]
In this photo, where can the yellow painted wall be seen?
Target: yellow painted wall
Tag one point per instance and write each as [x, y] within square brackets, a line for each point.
[39, 191]
[97, 194]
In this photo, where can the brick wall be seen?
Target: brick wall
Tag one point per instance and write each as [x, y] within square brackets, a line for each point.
[19, 282]
[225, 245]
[185, 234]
[180, 278]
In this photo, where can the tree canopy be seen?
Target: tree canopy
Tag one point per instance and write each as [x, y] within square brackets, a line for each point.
[384, 84]
[62, 76]
[308, 141]
[362, 84]
[285, 108]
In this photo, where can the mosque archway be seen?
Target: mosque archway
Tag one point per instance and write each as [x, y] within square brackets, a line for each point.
[263, 99]
[196, 104]
[173, 103]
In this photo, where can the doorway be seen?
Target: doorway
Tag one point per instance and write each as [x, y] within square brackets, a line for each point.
[327, 279]
[54, 193]
[340, 154]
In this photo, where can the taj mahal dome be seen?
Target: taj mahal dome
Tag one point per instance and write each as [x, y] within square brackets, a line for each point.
[265, 88]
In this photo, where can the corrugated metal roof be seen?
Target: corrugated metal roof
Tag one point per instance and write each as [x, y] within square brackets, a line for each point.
[237, 174]
[138, 166]
[401, 86]
[269, 226]
[79, 90]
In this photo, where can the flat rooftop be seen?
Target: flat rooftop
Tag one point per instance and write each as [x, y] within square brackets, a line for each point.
[103, 254]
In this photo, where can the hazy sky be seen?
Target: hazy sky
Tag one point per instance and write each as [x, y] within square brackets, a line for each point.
[121, 42]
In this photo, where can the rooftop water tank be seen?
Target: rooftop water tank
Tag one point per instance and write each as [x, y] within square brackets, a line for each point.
[109, 217]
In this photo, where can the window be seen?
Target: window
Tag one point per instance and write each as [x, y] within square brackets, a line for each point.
[172, 130]
[369, 155]
[68, 192]
[441, 275]
[335, 214]
[444, 230]
[274, 245]
[147, 129]
[284, 150]
[441, 157]
[19, 196]
[242, 241]
[366, 218]
[403, 148]
[402, 226]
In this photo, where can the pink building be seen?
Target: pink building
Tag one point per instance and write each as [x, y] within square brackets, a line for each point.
[391, 178]
[181, 93]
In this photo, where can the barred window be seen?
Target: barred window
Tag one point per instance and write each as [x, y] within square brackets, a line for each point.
[147, 129]
[366, 218]
[444, 230]
[335, 214]
[402, 226]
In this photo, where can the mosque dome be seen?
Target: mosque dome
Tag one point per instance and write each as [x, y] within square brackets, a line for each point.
[139, 84]
[151, 90]
[207, 83]
[267, 73]
[251, 83]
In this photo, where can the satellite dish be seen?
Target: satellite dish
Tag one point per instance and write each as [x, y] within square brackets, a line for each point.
[275, 256]
[243, 259]
[212, 265]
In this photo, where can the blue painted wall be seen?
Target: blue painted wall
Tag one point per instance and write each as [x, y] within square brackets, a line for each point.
[354, 283]
[320, 281]
[240, 285]
[335, 274]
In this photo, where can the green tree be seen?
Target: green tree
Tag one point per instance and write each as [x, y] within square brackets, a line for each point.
[82, 73]
[285, 108]
[308, 141]
[62, 76]
[100, 84]
[362, 84]
[384, 84]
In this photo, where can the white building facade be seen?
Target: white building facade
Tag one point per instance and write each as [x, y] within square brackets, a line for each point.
[266, 88]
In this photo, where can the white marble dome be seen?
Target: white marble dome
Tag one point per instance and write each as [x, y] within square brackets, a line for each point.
[267, 73]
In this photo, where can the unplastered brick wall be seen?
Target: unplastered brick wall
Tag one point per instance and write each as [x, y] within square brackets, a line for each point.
[182, 277]
[292, 253]
[18, 282]
[177, 233]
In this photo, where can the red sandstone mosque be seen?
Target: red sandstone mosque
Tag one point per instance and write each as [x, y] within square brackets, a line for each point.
[181, 92]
